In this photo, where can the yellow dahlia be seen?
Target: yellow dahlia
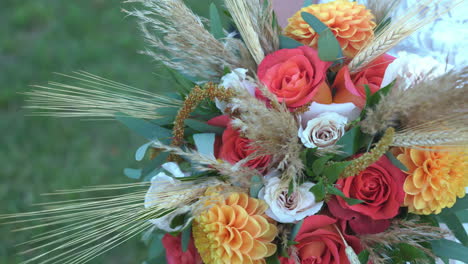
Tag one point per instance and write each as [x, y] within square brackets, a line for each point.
[351, 23]
[435, 180]
[234, 230]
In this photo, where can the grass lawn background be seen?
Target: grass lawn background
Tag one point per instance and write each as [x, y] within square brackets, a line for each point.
[42, 154]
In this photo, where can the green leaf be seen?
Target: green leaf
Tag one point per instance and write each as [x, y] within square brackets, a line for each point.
[307, 3]
[462, 215]
[382, 25]
[395, 161]
[291, 188]
[319, 191]
[335, 191]
[141, 151]
[455, 225]
[154, 165]
[319, 164]
[186, 235]
[295, 230]
[255, 186]
[461, 204]
[363, 257]
[144, 128]
[202, 126]
[156, 247]
[333, 172]
[410, 253]
[373, 99]
[329, 48]
[273, 259]
[350, 142]
[132, 173]
[205, 143]
[450, 249]
[288, 43]
[216, 27]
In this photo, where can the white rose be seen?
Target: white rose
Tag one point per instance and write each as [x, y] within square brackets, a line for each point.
[409, 68]
[289, 209]
[323, 131]
[160, 184]
[238, 77]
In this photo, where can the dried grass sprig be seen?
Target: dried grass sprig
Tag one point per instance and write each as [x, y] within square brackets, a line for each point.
[235, 173]
[409, 232]
[417, 16]
[255, 21]
[180, 41]
[431, 112]
[80, 230]
[273, 131]
[95, 97]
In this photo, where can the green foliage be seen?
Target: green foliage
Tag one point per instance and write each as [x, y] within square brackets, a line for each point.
[403, 253]
[450, 249]
[216, 27]
[363, 257]
[255, 186]
[319, 191]
[132, 173]
[144, 128]
[373, 99]
[307, 3]
[351, 142]
[186, 235]
[203, 127]
[455, 225]
[328, 47]
[333, 171]
[288, 43]
[295, 230]
[395, 161]
[335, 191]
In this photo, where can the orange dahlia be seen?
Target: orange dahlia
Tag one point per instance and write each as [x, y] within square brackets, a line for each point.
[435, 178]
[235, 230]
[351, 23]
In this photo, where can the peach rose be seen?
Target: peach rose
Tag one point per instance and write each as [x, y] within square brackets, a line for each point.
[350, 87]
[296, 76]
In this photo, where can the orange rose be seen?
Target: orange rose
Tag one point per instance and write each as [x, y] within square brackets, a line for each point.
[296, 76]
[350, 87]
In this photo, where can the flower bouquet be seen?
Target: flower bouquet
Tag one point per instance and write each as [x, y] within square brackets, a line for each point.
[307, 143]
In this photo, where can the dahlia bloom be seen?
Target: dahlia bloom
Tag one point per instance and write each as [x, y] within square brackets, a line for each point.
[351, 23]
[234, 230]
[435, 179]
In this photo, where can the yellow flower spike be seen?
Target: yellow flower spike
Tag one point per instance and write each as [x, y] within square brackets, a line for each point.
[234, 230]
[351, 23]
[435, 178]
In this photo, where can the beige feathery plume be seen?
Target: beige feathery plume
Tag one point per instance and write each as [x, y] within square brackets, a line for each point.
[417, 16]
[431, 112]
[83, 229]
[181, 42]
[254, 20]
[95, 97]
[273, 131]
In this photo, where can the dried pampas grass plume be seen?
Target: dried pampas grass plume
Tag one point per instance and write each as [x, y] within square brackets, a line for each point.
[409, 232]
[181, 41]
[273, 131]
[256, 22]
[417, 16]
[432, 112]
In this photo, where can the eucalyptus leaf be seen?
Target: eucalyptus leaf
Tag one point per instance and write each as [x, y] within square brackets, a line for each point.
[205, 143]
[144, 128]
[462, 215]
[156, 247]
[295, 230]
[461, 204]
[141, 151]
[203, 126]
[154, 164]
[455, 225]
[216, 27]
[329, 48]
[132, 173]
[288, 43]
[450, 249]
[256, 185]
[395, 161]
[186, 235]
[335, 191]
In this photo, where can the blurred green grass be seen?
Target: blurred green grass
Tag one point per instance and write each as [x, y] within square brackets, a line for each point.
[42, 154]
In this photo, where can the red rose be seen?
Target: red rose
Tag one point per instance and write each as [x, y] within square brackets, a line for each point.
[235, 148]
[320, 242]
[296, 76]
[380, 186]
[350, 88]
[174, 253]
